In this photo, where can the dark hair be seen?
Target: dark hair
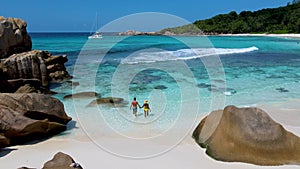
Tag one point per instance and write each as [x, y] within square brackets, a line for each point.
[134, 98]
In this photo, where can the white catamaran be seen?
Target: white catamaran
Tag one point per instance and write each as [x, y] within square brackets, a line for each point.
[97, 34]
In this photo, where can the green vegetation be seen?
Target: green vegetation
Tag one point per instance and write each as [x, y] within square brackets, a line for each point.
[272, 20]
[189, 29]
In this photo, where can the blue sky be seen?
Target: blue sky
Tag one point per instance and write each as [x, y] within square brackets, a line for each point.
[79, 15]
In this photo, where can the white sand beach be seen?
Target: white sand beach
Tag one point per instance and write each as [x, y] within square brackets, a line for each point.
[187, 154]
[184, 75]
[265, 34]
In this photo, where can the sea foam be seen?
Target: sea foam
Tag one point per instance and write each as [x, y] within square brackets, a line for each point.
[182, 54]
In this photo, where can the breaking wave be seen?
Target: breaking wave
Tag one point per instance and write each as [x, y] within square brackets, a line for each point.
[182, 54]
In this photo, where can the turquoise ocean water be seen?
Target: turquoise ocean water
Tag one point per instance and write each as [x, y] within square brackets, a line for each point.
[180, 76]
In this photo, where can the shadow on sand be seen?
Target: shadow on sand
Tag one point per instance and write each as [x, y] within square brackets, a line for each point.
[39, 138]
[71, 125]
[5, 151]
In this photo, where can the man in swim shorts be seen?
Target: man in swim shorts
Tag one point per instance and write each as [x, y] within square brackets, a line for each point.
[133, 106]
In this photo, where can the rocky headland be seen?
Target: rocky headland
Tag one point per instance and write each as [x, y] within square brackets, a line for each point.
[165, 32]
[34, 69]
[26, 113]
[23, 70]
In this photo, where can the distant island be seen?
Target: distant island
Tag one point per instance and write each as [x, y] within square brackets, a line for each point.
[281, 20]
[137, 33]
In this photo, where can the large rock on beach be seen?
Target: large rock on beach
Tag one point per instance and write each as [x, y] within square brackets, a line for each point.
[36, 68]
[27, 65]
[36, 64]
[247, 135]
[13, 36]
[4, 141]
[19, 85]
[27, 88]
[61, 161]
[19, 64]
[26, 117]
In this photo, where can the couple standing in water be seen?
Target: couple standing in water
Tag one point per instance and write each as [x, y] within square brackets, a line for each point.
[134, 105]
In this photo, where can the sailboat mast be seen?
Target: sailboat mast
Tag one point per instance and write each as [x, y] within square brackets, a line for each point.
[96, 21]
[97, 34]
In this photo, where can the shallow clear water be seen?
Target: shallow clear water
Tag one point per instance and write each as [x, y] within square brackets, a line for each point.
[181, 77]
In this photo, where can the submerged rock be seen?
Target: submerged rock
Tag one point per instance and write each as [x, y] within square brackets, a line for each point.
[247, 135]
[144, 78]
[113, 101]
[82, 95]
[226, 91]
[281, 89]
[230, 92]
[138, 88]
[26, 117]
[203, 85]
[160, 87]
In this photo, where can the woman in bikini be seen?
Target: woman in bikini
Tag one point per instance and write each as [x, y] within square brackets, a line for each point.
[146, 108]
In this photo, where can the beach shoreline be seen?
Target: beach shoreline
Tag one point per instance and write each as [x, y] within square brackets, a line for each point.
[264, 34]
[186, 153]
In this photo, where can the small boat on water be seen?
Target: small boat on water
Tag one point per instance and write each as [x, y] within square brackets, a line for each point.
[97, 34]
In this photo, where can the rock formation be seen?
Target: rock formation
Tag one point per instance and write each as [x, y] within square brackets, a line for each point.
[26, 117]
[56, 68]
[13, 36]
[19, 66]
[137, 33]
[4, 141]
[60, 161]
[247, 135]
[36, 65]
[34, 68]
